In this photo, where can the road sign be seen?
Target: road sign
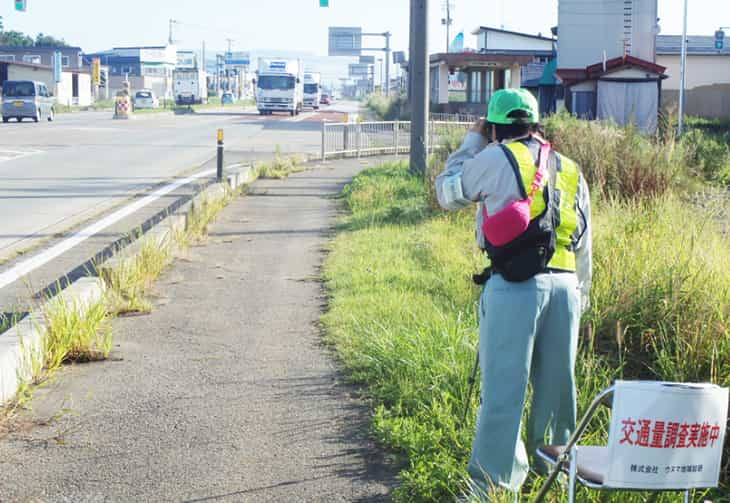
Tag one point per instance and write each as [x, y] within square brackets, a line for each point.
[21, 5]
[238, 59]
[359, 70]
[345, 41]
[399, 57]
[57, 61]
[719, 39]
[367, 60]
[96, 73]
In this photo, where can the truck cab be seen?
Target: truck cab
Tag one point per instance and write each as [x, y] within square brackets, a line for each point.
[312, 90]
[279, 86]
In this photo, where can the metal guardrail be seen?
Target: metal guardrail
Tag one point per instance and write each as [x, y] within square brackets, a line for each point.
[454, 117]
[357, 139]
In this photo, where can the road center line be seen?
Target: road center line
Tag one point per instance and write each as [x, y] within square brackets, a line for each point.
[33, 263]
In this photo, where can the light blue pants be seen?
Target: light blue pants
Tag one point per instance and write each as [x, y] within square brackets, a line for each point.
[527, 330]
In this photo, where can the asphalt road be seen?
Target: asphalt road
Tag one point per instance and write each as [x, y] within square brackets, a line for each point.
[53, 176]
[224, 392]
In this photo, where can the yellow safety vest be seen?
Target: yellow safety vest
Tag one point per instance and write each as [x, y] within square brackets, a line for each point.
[565, 190]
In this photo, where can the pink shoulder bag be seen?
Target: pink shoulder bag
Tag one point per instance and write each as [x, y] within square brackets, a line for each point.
[510, 222]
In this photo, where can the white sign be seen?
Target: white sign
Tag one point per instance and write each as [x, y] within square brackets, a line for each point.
[666, 435]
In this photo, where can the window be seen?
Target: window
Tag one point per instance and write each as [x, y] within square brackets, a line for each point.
[276, 82]
[65, 61]
[7, 57]
[126, 69]
[153, 70]
[31, 59]
[19, 89]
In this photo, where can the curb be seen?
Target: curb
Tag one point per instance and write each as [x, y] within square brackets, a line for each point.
[21, 346]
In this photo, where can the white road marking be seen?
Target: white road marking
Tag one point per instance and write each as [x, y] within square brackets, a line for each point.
[33, 263]
[9, 155]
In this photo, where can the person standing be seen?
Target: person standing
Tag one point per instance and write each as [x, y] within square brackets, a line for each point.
[533, 222]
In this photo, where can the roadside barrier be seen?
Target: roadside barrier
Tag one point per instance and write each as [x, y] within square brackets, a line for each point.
[384, 137]
[123, 107]
[455, 117]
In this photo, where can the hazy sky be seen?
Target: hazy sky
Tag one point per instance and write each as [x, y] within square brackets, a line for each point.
[300, 24]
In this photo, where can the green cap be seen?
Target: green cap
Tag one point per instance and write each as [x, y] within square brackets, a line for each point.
[505, 101]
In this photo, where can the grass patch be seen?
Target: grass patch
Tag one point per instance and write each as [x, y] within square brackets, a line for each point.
[75, 333]
[281, 167]
[202, 215]
[130, 282]
[403, 313]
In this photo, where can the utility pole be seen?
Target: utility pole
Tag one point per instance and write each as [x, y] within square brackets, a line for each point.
[411, 49]
[682, 71]
[387, 63]
[170, 40]
[419, 98]
[448, 21]
[382, 78]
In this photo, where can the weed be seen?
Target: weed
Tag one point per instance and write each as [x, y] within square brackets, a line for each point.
[281, 167]
[619, 162]
[75, 333]
[203, 214]
[130, 281]
[388, 108]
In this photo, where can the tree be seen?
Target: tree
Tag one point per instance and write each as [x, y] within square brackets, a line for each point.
[15, 38]
[48, 41]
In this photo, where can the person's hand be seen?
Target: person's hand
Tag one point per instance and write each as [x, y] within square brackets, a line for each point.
[480, 127]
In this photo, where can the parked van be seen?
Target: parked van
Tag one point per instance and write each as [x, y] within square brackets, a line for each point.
[27, 98]
[145, 98]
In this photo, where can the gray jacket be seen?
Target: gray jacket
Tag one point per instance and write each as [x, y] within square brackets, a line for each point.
[481, 173]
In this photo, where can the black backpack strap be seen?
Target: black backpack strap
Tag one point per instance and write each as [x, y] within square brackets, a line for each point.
[515, 168]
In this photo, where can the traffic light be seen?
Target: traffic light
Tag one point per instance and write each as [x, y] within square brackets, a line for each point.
[324, 3]
[21, 5]
[719, 39]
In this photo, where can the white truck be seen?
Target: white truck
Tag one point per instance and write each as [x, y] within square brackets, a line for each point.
[190, 86]
[312, 90]
[279, 86]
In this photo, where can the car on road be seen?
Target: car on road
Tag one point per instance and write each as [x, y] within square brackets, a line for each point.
[145, 98]
[325, 99]
[27, 98]
[227, 99]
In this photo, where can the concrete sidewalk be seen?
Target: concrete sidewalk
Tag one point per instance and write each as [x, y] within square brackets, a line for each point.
[224, 392]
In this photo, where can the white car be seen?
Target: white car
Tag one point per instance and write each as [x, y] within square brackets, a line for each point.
[145, 98]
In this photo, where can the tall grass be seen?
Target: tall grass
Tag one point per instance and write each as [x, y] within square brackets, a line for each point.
[388, 108]
[75, 333]
[280, 167]
[132, 279]
[618, 162]
[403, 313]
